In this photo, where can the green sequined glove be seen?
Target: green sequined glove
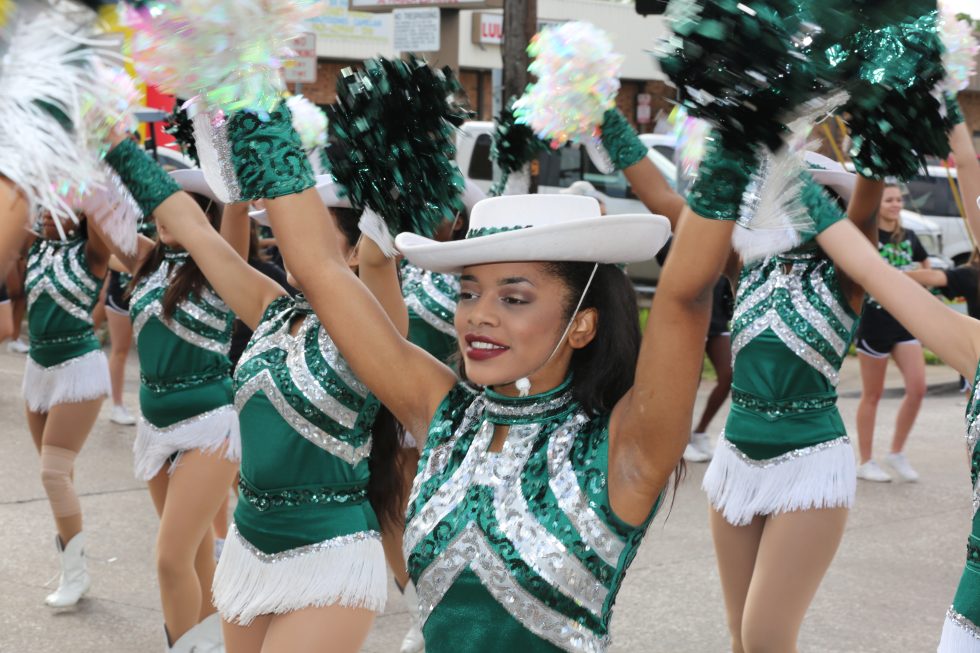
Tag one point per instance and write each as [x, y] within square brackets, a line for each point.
[820, 206]
[146, 180]
[267, 156]
[953, 110]
[722, 179]
[620, 140]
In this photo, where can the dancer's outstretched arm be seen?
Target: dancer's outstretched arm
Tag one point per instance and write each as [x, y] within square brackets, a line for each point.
[380, 274]
[405, 378]
[968, 176]
[247, 291]
[954, 337]
[236, 226]
[651, 188]
[651, 424]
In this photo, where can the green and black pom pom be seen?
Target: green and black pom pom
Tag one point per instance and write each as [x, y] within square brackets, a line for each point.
[393, 142]
[895, 117]
[514, 146]
[178, 124]
[742, 66]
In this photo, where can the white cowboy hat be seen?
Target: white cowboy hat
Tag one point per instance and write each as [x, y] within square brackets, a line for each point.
[541, 228]
[828, 172]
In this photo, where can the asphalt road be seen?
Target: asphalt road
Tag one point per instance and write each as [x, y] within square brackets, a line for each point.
[887, 590]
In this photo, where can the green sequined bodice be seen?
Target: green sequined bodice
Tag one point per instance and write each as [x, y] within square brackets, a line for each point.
[526, 534]
[308, 381]
[791, 330]
[431, 296]
[202, 320]
[60, 270]
[61, 294]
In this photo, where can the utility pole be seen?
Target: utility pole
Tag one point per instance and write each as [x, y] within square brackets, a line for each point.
[520, 24]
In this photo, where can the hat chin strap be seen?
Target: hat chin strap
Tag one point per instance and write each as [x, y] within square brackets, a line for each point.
[523, 384]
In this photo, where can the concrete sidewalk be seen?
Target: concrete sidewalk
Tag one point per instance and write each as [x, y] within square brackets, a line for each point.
[887, 590]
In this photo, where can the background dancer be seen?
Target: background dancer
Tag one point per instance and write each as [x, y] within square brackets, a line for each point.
[66, 378]
[188, 444]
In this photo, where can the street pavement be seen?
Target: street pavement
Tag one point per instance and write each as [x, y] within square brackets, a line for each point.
[887, 590]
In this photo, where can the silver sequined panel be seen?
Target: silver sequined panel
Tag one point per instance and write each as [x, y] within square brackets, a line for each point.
[538, 548]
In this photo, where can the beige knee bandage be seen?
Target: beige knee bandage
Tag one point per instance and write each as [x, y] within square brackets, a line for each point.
[56, 468]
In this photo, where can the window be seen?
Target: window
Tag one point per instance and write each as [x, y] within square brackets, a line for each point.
[931, 196]
[481, 167]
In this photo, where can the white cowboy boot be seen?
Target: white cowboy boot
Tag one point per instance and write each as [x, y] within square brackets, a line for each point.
[205, 637]
[74, 581]
[413, 641]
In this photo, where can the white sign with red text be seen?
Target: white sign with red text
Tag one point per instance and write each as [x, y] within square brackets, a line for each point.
[301, 68]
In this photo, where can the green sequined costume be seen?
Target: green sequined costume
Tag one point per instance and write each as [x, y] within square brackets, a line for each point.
[65, 363]
[431, 298]
[304, 533]
[784, 446]
[517, 550]
[186, 397]
[961, 631]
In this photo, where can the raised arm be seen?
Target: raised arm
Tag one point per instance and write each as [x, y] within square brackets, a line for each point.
[862, 210]
[627, 152]
[653, 190]
[236, 226]
[380, 274]
[246, 291]
[405, 378]
[651, 424]
[968, 176]
[955, 338]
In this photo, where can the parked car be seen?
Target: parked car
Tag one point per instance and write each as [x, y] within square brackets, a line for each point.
[561, 168]
[930, 195]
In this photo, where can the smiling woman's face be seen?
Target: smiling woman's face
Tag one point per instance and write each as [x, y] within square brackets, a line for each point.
[509, 319]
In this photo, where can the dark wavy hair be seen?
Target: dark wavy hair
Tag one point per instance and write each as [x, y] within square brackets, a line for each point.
[189, 279]
[604, 370]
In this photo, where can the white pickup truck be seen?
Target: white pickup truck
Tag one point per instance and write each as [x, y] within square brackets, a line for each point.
[943, 235]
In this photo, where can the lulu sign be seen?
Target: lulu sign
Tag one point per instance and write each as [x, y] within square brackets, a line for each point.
[488, 29]
[389, 5]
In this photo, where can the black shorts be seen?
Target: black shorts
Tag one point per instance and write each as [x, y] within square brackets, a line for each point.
[4, 296]
[879, 332]
[115, 299]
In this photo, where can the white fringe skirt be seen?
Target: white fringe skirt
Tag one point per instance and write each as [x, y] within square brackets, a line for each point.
[349, 571]
[78, 379]
[206, 432]
[819, 476]
[960, 635]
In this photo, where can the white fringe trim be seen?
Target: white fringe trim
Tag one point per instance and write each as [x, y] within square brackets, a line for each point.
[957, 636]
[206, 432]
[75, 380]
[349, 571]
[819, 476]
